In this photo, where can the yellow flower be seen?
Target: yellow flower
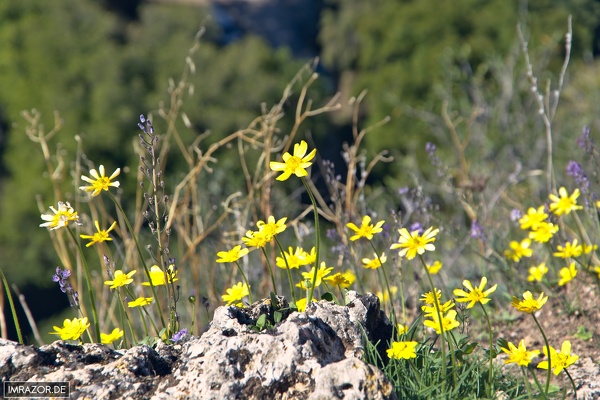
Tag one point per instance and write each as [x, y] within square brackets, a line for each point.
[366, 230]
[140, 301]
[588, 248]
[519, 355]
[429, 310]
[301, 304]
[518, 250]
[570, 250]
[100, 181]
[120, 279]
[597, 269]
[60, 217]
[402, 350]
[385, 296]
[310, 257]
[561, 360]
[71, 329]
[401, 329]
[567, 274]
[565, 203]
[374, 263]
[157, 276]
[529, 304]
[108, 338]
[412, 243]
[295, 259]
[474, 295]
[544, 232]
[533, 218]
[448, 323]
[428, 298]
[255, 239]
[100, 236]
[294, 164]
[537, 273]
[434, 268]
[322, 272]
[236, 293]
[342, 280]
[271, 228]
[232, 255]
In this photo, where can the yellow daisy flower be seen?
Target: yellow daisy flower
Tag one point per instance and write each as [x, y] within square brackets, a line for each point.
[294, 164]
[99, 181]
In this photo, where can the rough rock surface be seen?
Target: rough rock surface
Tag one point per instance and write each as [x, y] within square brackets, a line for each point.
[312, 355]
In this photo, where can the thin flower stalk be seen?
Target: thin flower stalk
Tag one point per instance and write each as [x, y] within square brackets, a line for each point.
[287, 268]
[233, 255]
[89, 284]
[549, 376]
[142, 258]
[270, 270]
[442, 334]
[317, 238]
[121, 281]
[387, 285]
[479, 295]
[152, 171]
[237, 263]
[491, 370]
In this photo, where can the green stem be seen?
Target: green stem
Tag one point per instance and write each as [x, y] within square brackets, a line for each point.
[245, 281]
[270, 270]
[572, 382]
[88, 329]
[12, 307]
[142, 259]
[387, 285]
[287, 268]
[133, 297]
[317, 237]
[539, 386]
[88, 278]
[439, 314]
[123, 315]
[527, 385]
[417, 373]
[549, 356]
[490, 373]
[194, 313]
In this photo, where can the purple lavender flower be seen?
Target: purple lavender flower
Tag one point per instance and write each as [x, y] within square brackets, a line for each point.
[585, 140]
[476, 230]
[61, 277]
[515, 214]
[430, 149]
[574, 169]
[331, 234]
[416, 227]
[177, 336]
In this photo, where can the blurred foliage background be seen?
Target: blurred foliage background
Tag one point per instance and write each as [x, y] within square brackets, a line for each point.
[102, 63]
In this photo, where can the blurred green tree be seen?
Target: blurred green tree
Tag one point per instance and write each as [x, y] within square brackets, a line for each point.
[100, 73]
[413, 55]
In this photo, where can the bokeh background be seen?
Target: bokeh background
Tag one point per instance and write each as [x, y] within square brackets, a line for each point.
[102, 63]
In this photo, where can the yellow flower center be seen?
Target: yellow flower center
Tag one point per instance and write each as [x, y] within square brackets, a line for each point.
[293, 163]
[101, 183]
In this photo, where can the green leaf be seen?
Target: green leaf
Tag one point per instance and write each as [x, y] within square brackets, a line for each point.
[274, 301]
[329, 297]
[261, 321]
